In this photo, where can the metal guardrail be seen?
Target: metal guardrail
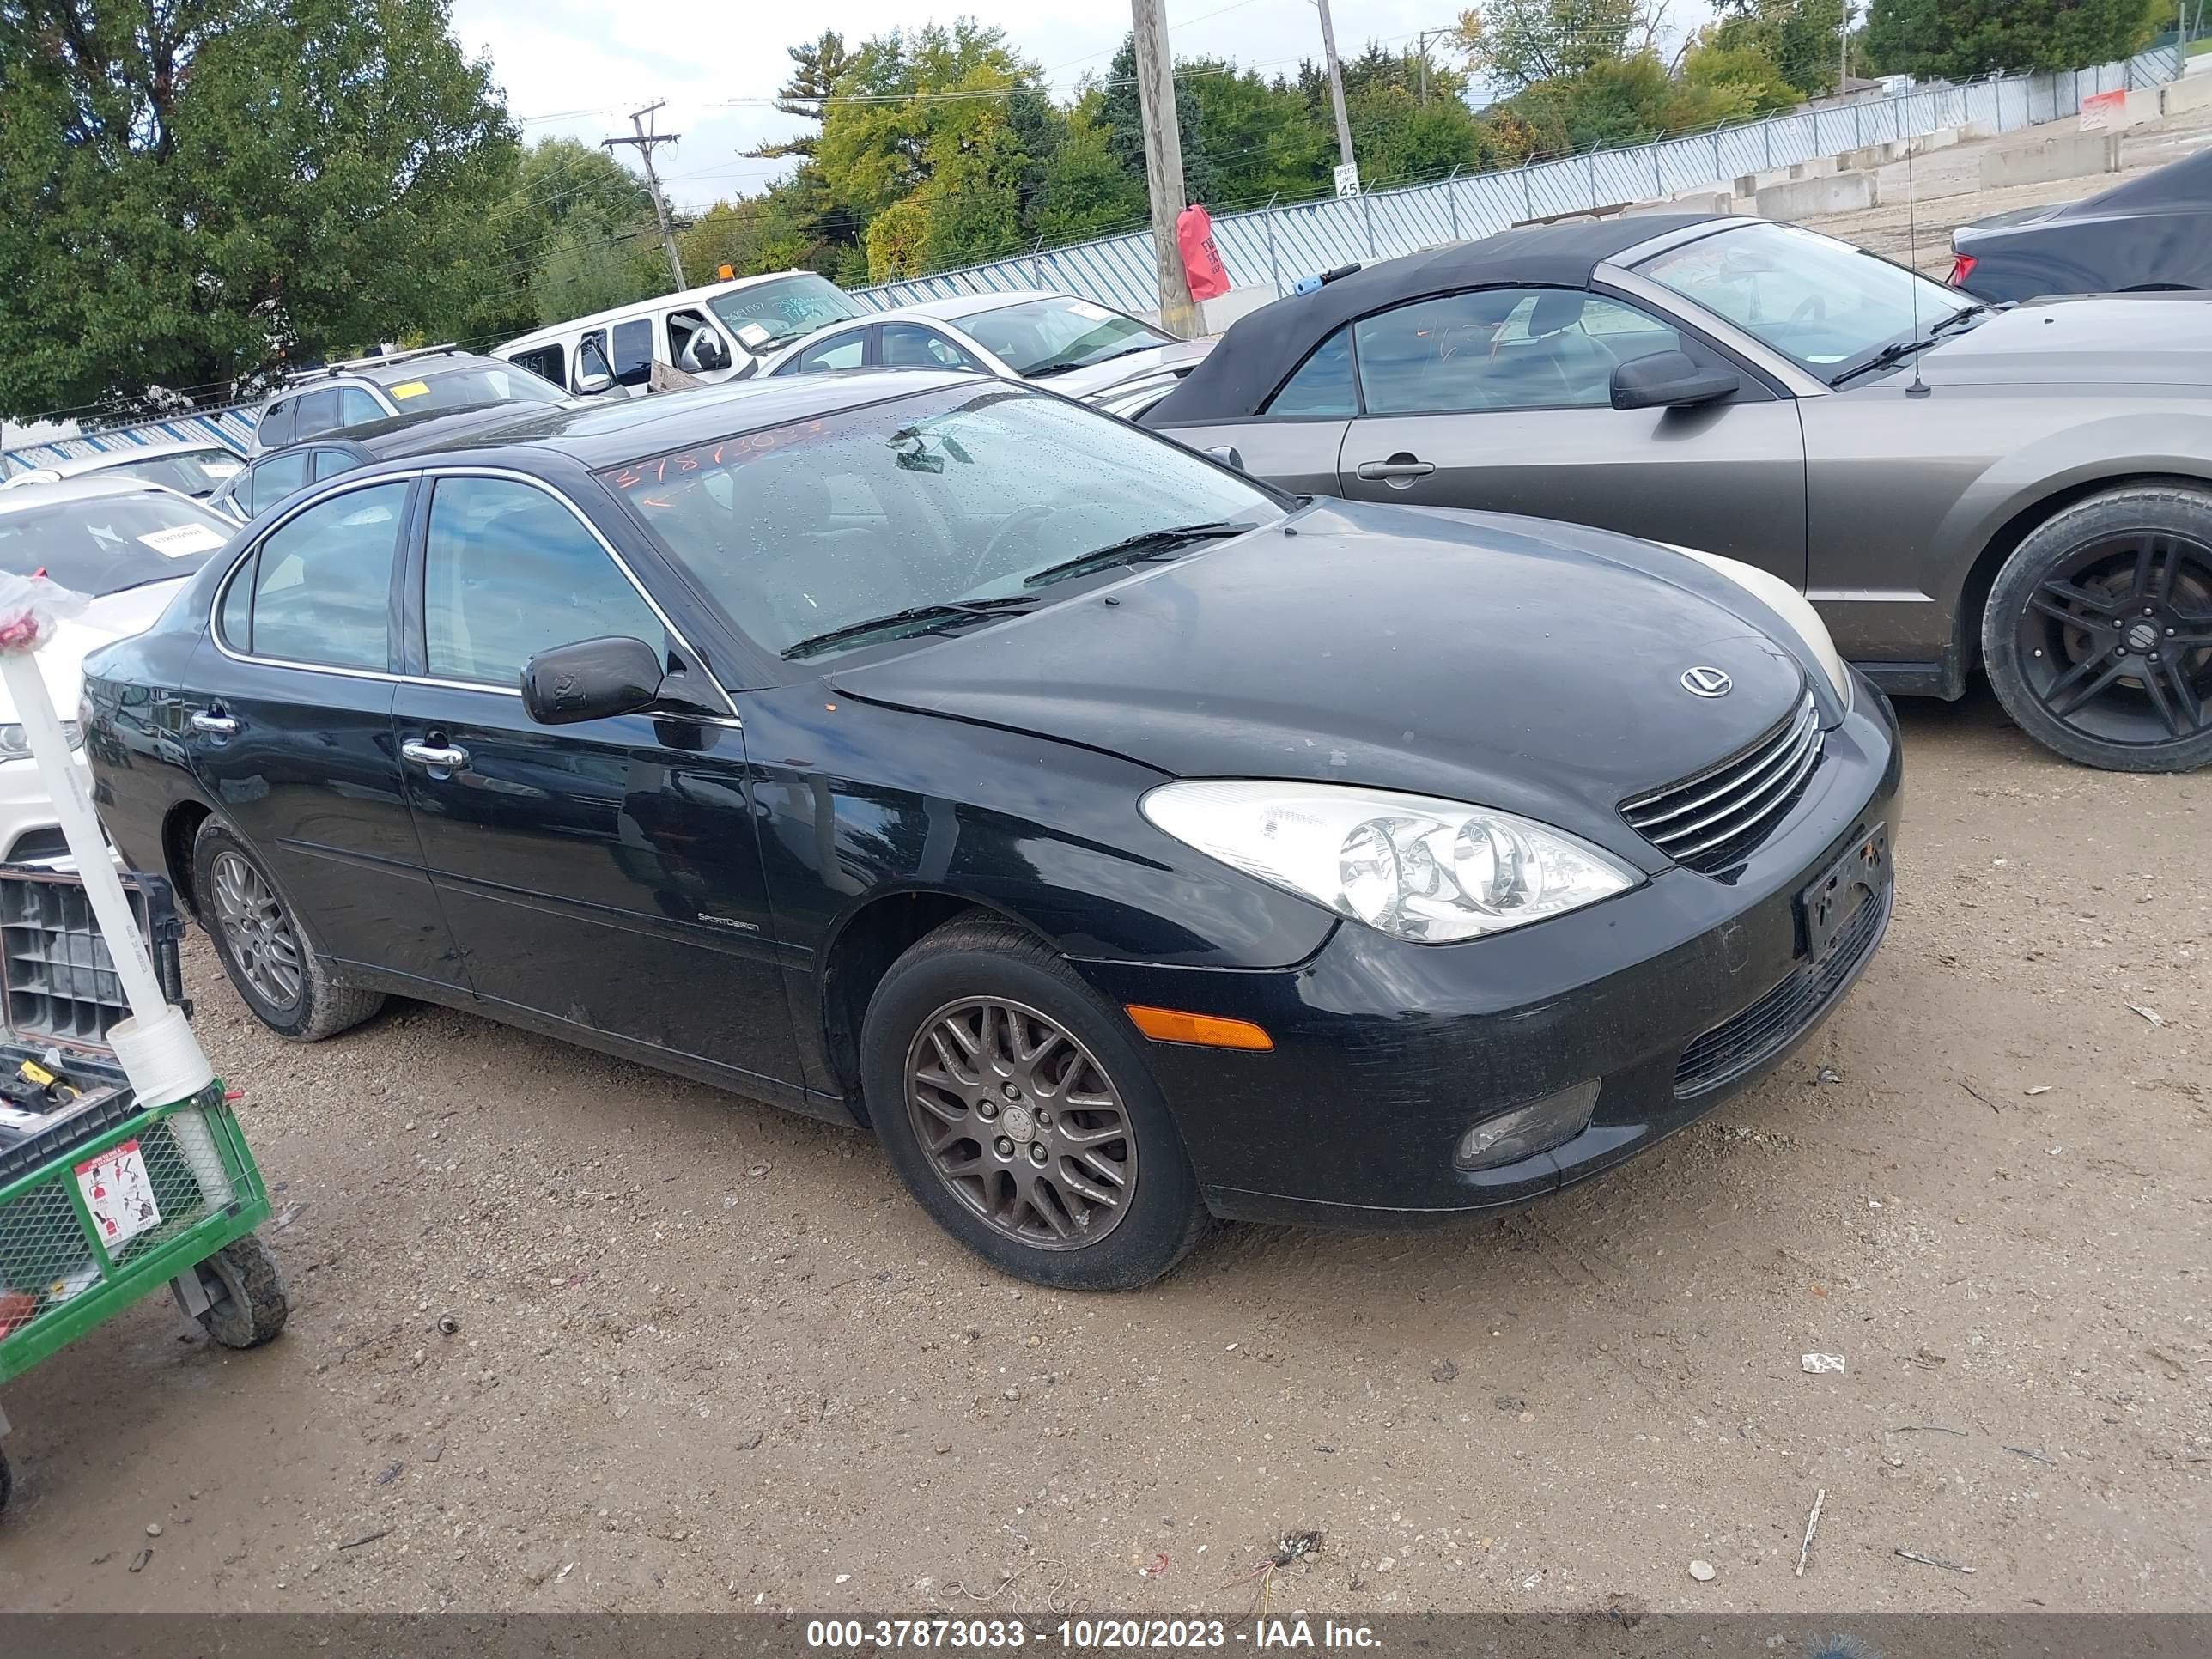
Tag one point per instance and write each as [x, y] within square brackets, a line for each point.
[1278, 244]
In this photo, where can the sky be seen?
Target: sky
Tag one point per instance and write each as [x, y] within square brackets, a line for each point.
[578, 67]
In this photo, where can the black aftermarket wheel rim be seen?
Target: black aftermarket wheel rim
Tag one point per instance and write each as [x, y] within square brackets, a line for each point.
[2116, 641]
[1021, 1123]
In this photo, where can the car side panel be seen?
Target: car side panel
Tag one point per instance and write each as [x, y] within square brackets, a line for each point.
[1906, 492]
[2090, 256]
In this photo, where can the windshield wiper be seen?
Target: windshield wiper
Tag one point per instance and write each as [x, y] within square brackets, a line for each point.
[1050, 369]
[1958, 316]
[947, 611]
[1144, 544]
[1883, 358]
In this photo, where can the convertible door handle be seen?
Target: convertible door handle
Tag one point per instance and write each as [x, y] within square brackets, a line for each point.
[1387, 470]
[214, 725]
[439, 757]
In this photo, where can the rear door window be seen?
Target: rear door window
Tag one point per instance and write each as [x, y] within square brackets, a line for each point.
[322, 582]
[276, 477]
[356, 407]
[1322, 385]
[909, 345]
[329, 463]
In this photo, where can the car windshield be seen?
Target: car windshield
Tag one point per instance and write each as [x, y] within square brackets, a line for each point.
[951, 498]
[1822, 303]
[1052, 336]
[104, 544]
[786, 307]
[465, 388]
[197, 473]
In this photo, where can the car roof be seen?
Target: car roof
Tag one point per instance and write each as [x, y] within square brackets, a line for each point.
[690, 296]
[386, 371]
[970, 305]
[412, 434]
[91, 486]
[71, 465]
[1264, 347]
[605, 433]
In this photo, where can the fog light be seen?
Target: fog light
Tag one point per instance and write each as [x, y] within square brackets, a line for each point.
[1527, 1130]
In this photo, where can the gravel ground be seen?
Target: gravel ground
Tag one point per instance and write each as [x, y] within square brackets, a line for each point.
[709, 1356]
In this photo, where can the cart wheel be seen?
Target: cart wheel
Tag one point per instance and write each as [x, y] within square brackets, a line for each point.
[245, 1294]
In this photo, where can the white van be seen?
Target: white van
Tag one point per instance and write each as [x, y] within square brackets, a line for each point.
[719, 332]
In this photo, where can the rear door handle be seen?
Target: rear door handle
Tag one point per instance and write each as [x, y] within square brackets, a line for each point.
[214, 723]
[1397, 467]
[438, 757]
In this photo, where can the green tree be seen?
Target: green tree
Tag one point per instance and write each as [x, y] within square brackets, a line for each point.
[1960, 39]
[1259, 139]
[1083, 190]
[1745, 71]
[1123, 116]
[577, 232]
[1801, 38]
[188, 190]
[1628, 100]
[1519, 43]
[817, 67]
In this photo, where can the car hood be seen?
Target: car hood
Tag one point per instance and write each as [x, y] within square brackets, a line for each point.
[1502, 661]
[1170, 362]
[111, 617]
[2097, 339]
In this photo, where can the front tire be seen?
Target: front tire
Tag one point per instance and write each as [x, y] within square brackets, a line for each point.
[271, 962]
[1021, 1113]
[2097, 633]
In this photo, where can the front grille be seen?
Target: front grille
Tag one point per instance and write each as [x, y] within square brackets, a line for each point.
[1708, 821]
[1749, 1040]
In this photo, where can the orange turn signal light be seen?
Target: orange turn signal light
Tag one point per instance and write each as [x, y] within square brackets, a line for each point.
[1202, 1031]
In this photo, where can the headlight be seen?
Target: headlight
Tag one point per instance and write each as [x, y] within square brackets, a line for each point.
[1787, 602]
[1430, 870]
[15, 744]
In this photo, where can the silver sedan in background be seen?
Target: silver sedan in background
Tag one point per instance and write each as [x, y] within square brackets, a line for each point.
[1090, 352]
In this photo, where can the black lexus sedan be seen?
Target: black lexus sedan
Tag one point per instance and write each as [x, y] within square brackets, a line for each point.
[1121, 839]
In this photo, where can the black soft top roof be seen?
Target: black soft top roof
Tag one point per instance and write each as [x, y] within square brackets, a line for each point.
[1260, 350]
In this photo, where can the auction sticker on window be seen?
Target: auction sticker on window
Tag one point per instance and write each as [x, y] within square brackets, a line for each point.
[182, 541]
[407, 389]
[119, 1195]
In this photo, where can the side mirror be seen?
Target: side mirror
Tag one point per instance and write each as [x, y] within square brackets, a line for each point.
[1670, 379]
[1227, 454]
[590, 382]
[591, 680]
[708, 351]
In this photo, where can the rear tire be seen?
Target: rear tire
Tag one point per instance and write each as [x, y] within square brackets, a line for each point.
[2097, 633]
[1021, 1113]
[271, 962]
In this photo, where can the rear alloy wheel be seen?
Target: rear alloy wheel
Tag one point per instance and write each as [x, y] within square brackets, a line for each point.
[1019, 1110]
[2097, 635]
[271, 962]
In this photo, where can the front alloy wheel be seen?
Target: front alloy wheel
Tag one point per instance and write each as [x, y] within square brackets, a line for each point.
[1021, 1122]
[2098, 633]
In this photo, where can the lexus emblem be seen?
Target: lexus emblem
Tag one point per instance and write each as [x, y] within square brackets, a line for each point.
[1702, 682]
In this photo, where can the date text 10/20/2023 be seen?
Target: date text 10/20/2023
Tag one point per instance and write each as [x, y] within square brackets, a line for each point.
[1086, 1635]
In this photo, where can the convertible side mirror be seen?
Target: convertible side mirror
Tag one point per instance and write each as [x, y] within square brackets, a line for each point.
[1670, 379]
[591, 680]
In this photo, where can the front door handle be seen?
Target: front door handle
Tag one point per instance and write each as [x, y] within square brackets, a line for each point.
[1399, 469]
[438, 757]
[214, 723]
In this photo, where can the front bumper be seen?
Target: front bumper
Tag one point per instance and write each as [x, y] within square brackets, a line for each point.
[1673, 997]
[30, 828]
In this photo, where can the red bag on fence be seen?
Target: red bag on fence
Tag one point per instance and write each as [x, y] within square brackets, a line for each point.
[1201, 261]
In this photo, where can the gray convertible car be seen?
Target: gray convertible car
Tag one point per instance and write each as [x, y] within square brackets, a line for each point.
[2024, 491]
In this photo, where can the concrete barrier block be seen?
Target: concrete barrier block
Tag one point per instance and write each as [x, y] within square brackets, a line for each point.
[1820, 167]
[1696, 201]
[1942, 138]
[2187, 94]
[2143, 105]
[2069, 155]
[1810, 198]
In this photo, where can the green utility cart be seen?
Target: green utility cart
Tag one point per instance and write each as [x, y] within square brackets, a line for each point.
[104, 1201]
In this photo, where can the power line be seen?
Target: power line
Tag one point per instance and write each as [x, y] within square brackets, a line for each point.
[644, 142]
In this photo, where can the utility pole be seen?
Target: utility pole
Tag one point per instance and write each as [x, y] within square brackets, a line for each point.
[1335, 86]
[644, 141]
[1155, 101]
[1422, 46]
